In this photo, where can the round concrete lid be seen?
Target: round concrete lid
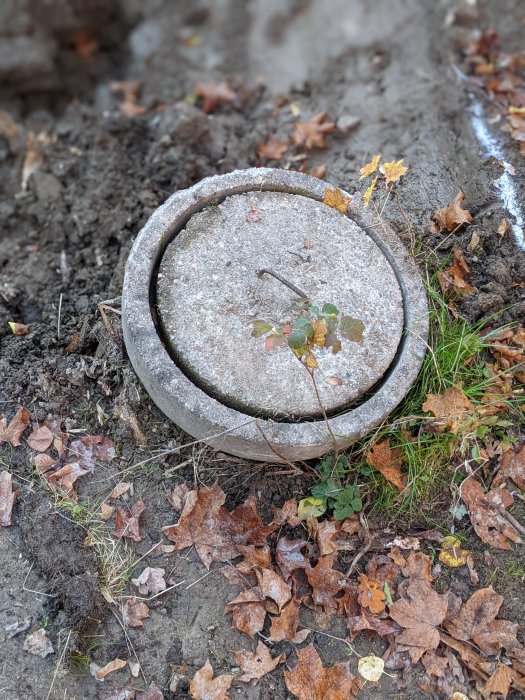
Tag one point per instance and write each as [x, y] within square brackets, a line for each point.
[208, 293]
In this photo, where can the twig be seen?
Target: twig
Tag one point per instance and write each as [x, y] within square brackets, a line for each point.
[368, 537]
[325, 416]
[200, 579]
[283, 280]
[129, 643]
[508, 517]
[59, 315]
[278, 454]
[30, 590]
[57, 668]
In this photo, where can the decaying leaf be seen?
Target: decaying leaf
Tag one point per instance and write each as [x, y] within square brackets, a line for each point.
[371, 667]
[203, 686]
[418, 566]
[151, 581]
[7, 498]
[371, 167]
[476, 621]
[512, 467]
[12, 432]
[310, 507]
[127, 521]
[312, 133]
[214, 95]
[452, 409]
[388, 461]
[370, 594]
[134, 612]
[254, 215]
[273, 588]
[336, 199]
[327, 584]
[486, 513]
[40, 439]
[454, 277]
[38, 643]
[18, 328]
[114, 665]
[248, 611]
[284, 626]
[453, 216]
[65, 477]
[500, 681]
[272, 149]
[256, 664]
[289, 556]
[178, 495]
[286, 514]
[451, 552]
[92, 448]
[152, 692]
[310, 680]
[419, 614]
[393, 171]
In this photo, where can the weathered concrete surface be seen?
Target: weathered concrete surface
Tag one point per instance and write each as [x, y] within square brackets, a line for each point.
[208, 294]
[203, 416]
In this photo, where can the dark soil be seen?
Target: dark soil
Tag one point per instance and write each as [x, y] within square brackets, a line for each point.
[64, 242]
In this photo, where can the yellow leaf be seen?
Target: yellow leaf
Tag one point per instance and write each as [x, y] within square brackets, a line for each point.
[516, 110]
[451, 553]
[320, 331]
[310, 508]
[393, 171]
[371, 667]
[370, 189]
[371, 167]
[310, 361]
[336, 199]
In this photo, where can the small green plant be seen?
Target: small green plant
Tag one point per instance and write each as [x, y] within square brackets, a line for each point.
[332, 494]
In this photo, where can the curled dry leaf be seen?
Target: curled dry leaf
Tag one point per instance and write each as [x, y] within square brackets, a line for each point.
[452, 409]
[214, 95]
[455, 276]
[178, 496]
[12, 432]
[203, 686]
[388, 461]
[500, 681]
[18, 328]
[272, 149]
[310, 680]
[151, 581]
[106, 512]
[248, 612]
[334, 381]
[370, 594]
[64, 478]
[33, 159]
[134, 612]
[337, 200]
[114, 665]
[312, 133]
[367, 621]
[486, 514]
[7, 498]
[256, 664]
[40, 439]
[127, 521]
[453, 216]
[284, 626]
[254, 215]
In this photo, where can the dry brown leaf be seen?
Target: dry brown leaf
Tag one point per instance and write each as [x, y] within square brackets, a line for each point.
[13, 432]
[312, 133]
[203, 686]
[500, 681]
[286, 514]
[370, 595]
[388, 461]
[337, 200]
[368, 621]
[454, 278]
[393, 171]
[114, 665]
[7, 498]
[64, 478]
[273, 588]
[130, 90]
[254, 215]
[214, 95]
[151, 581]
[453, 216]
[44, 462]
[91, 448]
[256, 664]
[326, 583]
[476, 621]
[38, 643]
[452, 409]
[85, 45]
[272, 149]
[419, 614]
[486, 514]
[418, 566]
[18, 328]
[8, 126]
[512, 467]
[133, 612]
[120, 489]
[503, 227]
[284, 626]
[289, 556]
[309, 680]
[127, 521]
[319, 171]
[248, 611]
[177, 498]
[33, 159]
[216, 532]
[106, 512]
[152, 692]
[40, 439]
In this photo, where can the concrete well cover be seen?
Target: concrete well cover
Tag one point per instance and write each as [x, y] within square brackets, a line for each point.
[191, 291]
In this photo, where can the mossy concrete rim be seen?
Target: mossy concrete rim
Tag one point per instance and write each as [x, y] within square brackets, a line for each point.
[205, 418]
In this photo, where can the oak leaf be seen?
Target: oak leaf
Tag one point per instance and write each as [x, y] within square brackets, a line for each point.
[370, 594]
[256, 664]
[453, 216]
[419, 614]
[312, 133]
[393, 170]
[12, 432]
[272, 149]
[151, 581]
[310, 680]
[7, 498]
[371, 167]
[203, 686]
[337, 200]
[127, 521]
[214, 94]
[452, 409]
[454, 277]
[486, 513]
[284, 626]
[388, 461]
[40, 439]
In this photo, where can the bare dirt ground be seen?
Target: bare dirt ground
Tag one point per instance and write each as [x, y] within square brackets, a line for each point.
[66, 232]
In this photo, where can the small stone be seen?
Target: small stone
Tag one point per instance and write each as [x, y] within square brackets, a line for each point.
[38, 643]
[17, 627]
[348, 122]
[47, 186]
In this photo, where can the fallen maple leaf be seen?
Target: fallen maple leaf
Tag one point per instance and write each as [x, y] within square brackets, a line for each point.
[289, 556]
[393, 171]
[18, 328]
[90, 448]
[133, 612]
[368, 621]
[284, 626]
[286, 514]
[312, 133]
[452, 409]
[453, 277]
[248, 612]
[486, 513]
[371, 167]
[7, 498]
[336, 200]
[500, 681]
[40, 439]
[453, 216]
[151, 581]
[127, 521]
[130, 90]
[476, 621]
[114, 665]
[203, 686]
[256, 664]
[214, 94]
[272, 149]
[65, 478]
[326, 583]
[419, 614]
[310, 680]
[512, 467]
[418, 566]
[370, 594]
[388, 461]
[273, 588]
[13, 432]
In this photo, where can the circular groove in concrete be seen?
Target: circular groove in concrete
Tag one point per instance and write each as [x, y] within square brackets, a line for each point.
[203, 416]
